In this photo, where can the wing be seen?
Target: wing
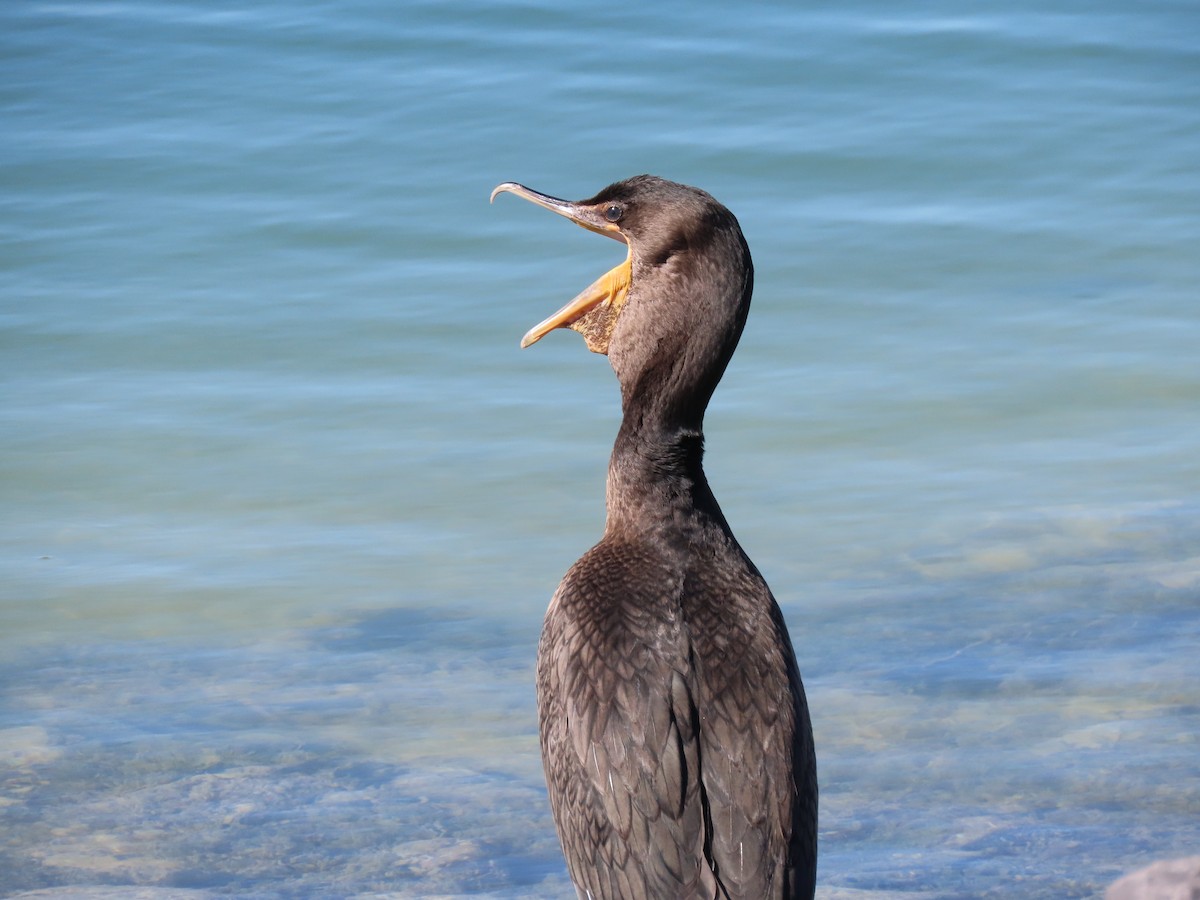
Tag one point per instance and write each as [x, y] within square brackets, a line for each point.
[619, 731]
[675, 734]
[758, 765]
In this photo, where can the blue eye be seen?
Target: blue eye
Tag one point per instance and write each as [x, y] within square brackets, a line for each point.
[614, 212]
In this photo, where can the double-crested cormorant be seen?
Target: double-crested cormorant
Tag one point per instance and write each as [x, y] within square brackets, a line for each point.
[675, 733]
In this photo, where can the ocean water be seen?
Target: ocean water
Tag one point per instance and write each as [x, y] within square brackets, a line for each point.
[283, 502]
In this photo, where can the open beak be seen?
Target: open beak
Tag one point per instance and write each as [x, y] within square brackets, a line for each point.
[593, 313]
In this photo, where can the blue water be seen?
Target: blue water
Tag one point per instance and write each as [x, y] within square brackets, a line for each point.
[283, 503]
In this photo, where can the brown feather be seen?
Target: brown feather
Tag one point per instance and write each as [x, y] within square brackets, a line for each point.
[675, 732]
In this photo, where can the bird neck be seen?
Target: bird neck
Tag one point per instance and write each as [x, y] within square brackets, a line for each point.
[656, 481]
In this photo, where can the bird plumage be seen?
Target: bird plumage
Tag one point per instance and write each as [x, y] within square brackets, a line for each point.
[674, 728]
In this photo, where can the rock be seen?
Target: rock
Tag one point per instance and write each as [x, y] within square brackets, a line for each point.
[1167, 879]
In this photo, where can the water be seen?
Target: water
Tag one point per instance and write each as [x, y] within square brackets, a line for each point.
[283, 503]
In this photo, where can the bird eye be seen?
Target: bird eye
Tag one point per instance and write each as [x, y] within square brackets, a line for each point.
[614, 212]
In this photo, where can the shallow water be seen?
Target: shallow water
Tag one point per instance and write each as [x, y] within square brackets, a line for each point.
[283, 503]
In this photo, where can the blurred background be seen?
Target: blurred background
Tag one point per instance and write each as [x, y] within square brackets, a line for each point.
[283, 503]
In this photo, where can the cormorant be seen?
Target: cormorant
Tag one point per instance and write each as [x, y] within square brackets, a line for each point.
[674, 729]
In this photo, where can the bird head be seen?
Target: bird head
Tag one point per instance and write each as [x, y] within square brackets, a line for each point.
[676, 305]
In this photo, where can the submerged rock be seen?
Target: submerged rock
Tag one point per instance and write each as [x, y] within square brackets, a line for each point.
[1167, 879]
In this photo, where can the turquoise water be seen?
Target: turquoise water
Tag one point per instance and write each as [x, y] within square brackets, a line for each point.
[283, 503]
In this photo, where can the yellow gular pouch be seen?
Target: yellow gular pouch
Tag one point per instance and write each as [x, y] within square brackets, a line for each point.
[593, 313]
